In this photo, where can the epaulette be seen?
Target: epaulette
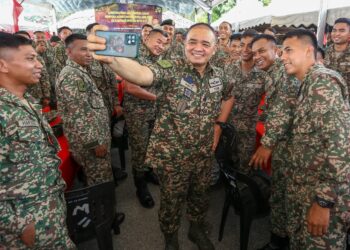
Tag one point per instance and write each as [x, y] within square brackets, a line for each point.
[165, 64]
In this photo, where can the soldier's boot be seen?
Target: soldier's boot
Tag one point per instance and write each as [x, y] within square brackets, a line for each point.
[198, 236]
[142, 191]
[276, 243]
[151, 177]
[171, 241]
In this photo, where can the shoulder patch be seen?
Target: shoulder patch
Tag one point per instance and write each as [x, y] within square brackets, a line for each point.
[165, 64]
[81, 86]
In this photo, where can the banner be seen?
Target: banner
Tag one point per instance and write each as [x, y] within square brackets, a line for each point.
[17, 10]
[128, 17]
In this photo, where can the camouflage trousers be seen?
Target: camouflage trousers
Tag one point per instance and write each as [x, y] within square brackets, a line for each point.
[51, 231]
[97, 170]
[181, 180]
[278, 190]
[246, 148]
[297, 205]
[139, 128]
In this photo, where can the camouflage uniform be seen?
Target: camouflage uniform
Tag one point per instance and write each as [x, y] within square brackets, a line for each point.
[340, 64]
[280, 103]
[220, 57]
[180, 145]
[140, 115]
[174, 51]
[60, 58]
[319, 152]
[247, 91]
[31, 186]
[105, 81]
[49, 59]
[41, 90]
[85, 121]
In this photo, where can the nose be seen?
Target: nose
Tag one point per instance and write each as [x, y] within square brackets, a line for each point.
[38, 64]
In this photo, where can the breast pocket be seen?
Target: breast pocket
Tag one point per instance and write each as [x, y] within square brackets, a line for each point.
[96, 100]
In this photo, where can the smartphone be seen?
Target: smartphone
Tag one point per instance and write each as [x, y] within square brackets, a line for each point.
[121, 44]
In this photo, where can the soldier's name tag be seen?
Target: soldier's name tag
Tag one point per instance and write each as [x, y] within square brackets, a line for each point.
[254, 85]
[188, 93]
[27, 123]
[181, 106]
[344, 63]
[215, 85]
[192, 87]
[81, 86]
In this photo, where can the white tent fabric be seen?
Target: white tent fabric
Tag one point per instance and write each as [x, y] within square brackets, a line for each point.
[180, 22]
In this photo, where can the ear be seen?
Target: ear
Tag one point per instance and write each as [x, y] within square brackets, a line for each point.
[68, 51]
[3, 66]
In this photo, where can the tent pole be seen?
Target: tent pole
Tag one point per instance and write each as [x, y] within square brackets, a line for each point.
[322, 19]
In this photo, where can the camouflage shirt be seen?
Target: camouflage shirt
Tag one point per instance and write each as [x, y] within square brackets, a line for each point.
[80, 104]
[280, 103]
[248, 90]
[340, 64]
[174, 51]
[41, 89]
[60, 57]
[188, 107]
[319, 148]
[106, 82]
[220, 57]
[28, 160]
[133, 104]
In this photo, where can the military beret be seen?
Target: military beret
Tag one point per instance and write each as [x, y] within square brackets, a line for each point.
[168, 22]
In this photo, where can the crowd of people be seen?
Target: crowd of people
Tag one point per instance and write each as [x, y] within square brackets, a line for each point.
[176, 93]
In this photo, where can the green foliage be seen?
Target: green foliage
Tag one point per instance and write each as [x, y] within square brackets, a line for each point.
[265, 2]
[222, 8]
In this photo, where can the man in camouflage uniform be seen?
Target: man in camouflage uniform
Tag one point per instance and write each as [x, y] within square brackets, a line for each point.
[248, 88]
[318, 191]
[338, 54]
[223, 51]
[84, 114]
[145, 30]
[32, 206]
[140, 114]
[280, 101]
[194, 95]
[172, 49]
[59, 51]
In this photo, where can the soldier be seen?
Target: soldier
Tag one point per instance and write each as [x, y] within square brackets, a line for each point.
[248, 89]
[84, 114]
[60, 51]
[54, 41]
[223, 51]
[145, 30]
[106, 82]
[140, 114]
[234, 49]
[193, 96]
[172, 49]
[179, 37]
[270, 31]
[318, 191]
[32, 207]
[279, 107]
[338, 54]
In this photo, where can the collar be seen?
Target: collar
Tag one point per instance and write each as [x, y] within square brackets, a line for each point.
[73, 64]
[7, 96]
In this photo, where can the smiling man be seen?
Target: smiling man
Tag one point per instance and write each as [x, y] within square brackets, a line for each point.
[32, 207]
[194, 95]
[318, 192]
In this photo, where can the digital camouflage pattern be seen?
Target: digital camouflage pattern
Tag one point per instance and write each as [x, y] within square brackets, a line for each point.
[106, 82]
[248, 90]
[41, 89]
[174, 51]
[31, 186]
[220, 57]
[280, 101]
[85, 121]
[180, 145]
[60, 58]
[140, 115]
[49, 59]
[319, 156]
[340, 63]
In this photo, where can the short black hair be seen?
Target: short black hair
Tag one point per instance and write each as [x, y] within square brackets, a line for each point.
[227, 23]
[264, 36]
[55, 39]
[343, 20]
[179, 32]
[319, 49]
[235, 36]
[73, 37]
[249, 33]
[304, 34]
[146, 25]
[38, 31]
[273, 30]
[12, 41]
[90, 26]
[63, 28]
[202, 24]
[22, 32]
[158, 31]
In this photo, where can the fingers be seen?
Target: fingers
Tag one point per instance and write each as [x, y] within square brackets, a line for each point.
[96, 42]
[105, 59]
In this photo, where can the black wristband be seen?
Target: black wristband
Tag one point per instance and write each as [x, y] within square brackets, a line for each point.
[324, 203]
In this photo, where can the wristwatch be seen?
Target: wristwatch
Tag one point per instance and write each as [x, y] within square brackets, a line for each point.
[324, 203]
